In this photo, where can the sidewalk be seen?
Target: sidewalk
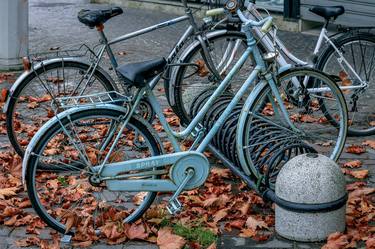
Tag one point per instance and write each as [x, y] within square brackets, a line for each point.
[55, 24]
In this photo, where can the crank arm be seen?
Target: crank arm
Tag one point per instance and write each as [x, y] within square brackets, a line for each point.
[174, 205]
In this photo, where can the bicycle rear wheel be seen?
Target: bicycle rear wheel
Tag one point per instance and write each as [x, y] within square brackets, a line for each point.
[194, 77]
[30, 105]
[358, 49]
[265, 131]
[69, 197]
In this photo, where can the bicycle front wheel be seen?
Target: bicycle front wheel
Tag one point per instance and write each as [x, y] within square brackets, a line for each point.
[358, 50]
[30, 105]
[68, 197]
[266, 132]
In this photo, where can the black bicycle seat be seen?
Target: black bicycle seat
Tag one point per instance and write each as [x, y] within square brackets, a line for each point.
[93, 18]
[328, 11]
[138, 74]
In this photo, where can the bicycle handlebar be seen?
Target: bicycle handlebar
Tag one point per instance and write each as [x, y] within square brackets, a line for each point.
[215, 12]
[266, 22]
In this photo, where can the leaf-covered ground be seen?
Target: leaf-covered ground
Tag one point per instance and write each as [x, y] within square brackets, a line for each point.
[223, 204]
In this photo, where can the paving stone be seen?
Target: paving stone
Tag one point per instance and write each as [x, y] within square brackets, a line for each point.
[5, 231]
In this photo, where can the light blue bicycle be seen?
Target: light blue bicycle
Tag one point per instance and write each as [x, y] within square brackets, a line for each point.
[108, 159]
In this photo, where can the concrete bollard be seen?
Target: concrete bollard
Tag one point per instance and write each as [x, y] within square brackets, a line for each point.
[311, 198]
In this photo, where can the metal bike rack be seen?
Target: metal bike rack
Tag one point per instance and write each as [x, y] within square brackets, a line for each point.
[270, 146]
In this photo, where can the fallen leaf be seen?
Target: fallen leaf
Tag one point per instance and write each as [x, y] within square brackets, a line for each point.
[212, 246]
[356, 149]
[353, 164]
[370, 243]
[136, 232]
[167, 240]
[6, 192]
[359, 174]
[336, 241]
[4, 93]
[32, 105]
[247, 233]
[370, 143]
[219, 215]
[202, 69]
[253, 223]
[361, 192]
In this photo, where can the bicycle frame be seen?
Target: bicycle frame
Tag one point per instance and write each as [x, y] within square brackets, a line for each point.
[109, 172]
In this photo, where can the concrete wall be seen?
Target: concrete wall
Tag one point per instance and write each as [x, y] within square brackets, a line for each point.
[176, 8]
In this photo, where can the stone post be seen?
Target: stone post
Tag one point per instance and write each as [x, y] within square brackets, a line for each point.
[14, 33]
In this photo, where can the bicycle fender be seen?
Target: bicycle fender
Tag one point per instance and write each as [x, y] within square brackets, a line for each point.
[44, 63]
[186, 52]
[241, 125]
[48, 125]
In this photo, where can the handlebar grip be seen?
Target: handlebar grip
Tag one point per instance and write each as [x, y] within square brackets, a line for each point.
[215, 12]
[267, 25]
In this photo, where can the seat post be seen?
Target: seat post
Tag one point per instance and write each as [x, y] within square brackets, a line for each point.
[104, 41]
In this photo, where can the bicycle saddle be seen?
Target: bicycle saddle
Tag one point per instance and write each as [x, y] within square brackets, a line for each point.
[93, 18]
[138, 74]
[328, 12]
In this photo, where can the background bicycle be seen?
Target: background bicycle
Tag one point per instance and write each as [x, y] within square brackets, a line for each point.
[348, 56]
[28, 105]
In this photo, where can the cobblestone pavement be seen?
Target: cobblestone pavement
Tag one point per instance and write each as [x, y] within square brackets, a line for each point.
[54, 24]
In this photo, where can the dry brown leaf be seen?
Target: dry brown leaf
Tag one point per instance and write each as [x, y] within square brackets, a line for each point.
[247, 233]
[336, 241]
[253, 223]
[212, 246]
[356, 149]
[370, 243]
[361, 192]
[359, 174]
[202, 69]
[4, 93]
[136, 231]
[70, 219]
[30, 241]
[167, 240]
[6, 192]
[32, 105]
[221, 214]
[370, 143]
[11, 221]
[83, 244]
[353, 164]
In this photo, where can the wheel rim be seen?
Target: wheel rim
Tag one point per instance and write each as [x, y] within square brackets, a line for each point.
[92, 192]
[360, 110]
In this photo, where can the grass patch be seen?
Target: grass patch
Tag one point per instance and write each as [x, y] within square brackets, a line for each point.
[195, 234]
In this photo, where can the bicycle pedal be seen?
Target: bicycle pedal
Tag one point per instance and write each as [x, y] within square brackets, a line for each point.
[174, 206]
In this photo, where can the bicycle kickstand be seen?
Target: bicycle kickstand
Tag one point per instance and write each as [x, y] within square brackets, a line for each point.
[174, 205]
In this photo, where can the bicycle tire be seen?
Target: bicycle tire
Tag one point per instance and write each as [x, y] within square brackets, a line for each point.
[12, 134]
[179, 106]
[332, 138]
[323, 63]
[47, 135]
